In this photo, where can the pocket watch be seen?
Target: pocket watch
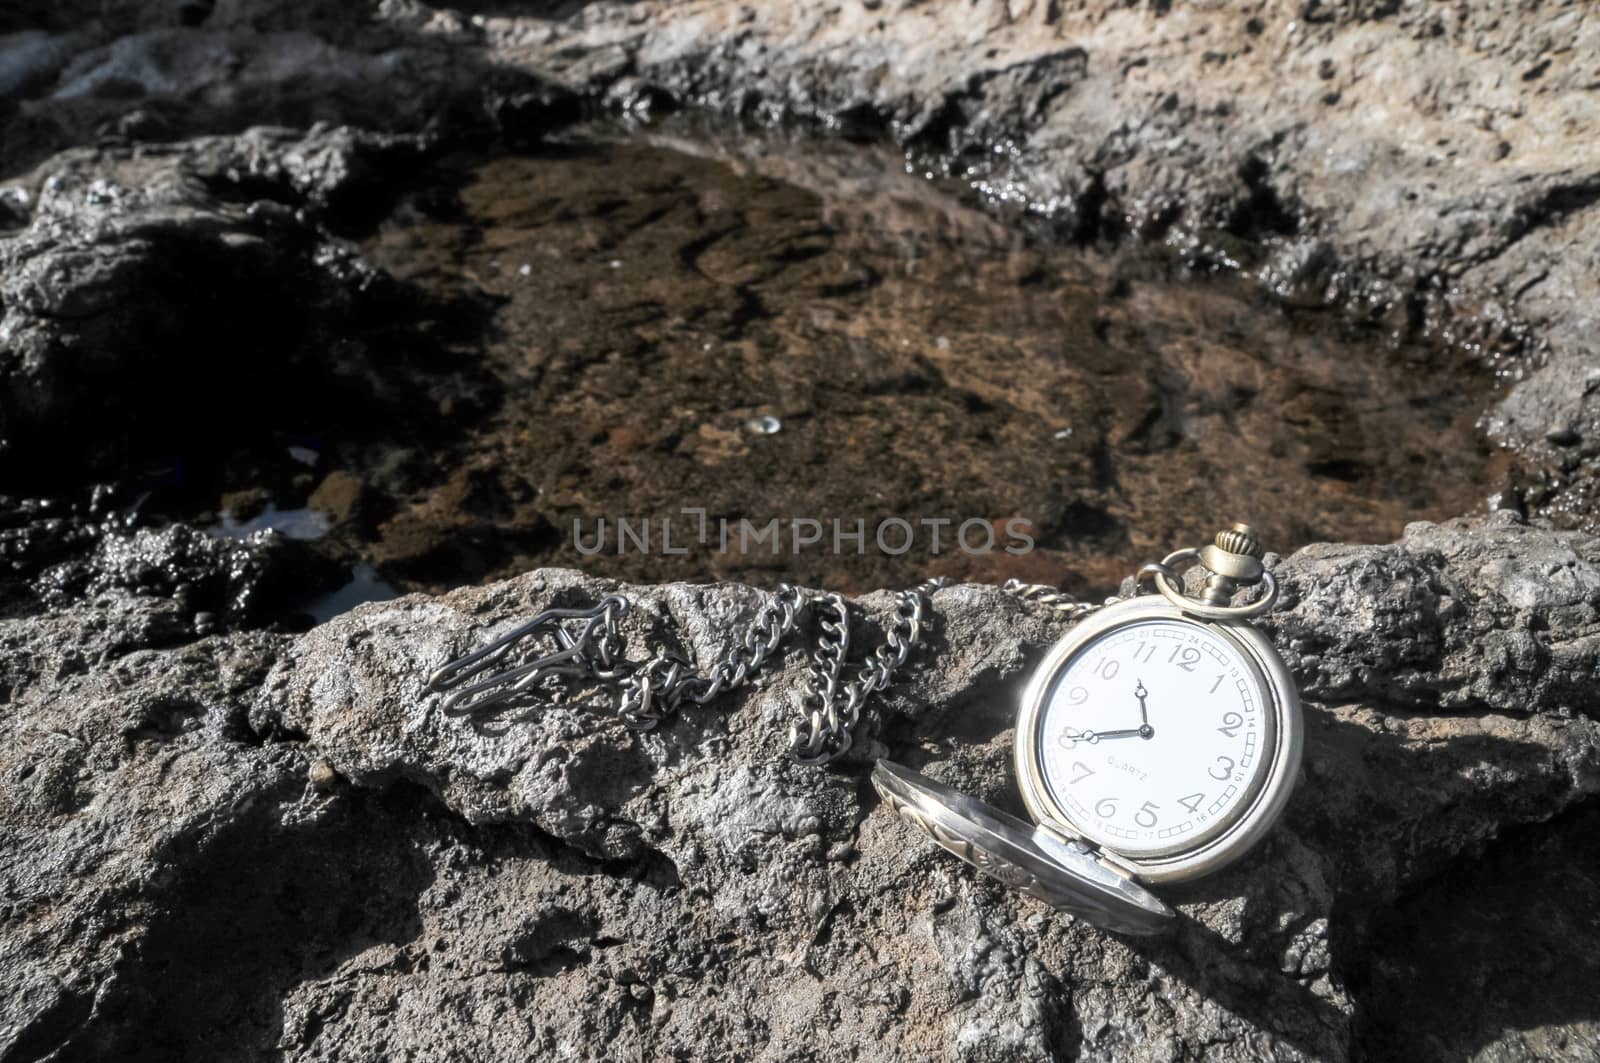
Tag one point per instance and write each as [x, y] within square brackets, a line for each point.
[1158, 741]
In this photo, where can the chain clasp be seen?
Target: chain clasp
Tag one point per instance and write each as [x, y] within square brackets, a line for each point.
[591, 650]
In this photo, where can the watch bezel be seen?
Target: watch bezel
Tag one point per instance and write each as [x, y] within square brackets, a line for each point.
[1257, 817]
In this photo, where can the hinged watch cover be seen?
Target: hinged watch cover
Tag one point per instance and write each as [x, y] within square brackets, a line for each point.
[1064, 874]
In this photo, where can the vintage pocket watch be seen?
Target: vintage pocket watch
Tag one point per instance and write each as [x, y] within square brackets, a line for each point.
[1158, 741]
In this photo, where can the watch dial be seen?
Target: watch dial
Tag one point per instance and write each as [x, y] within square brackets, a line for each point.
[1154, 736]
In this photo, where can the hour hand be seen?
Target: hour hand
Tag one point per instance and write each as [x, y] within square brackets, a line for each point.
[1072, 738]
[1144, 714]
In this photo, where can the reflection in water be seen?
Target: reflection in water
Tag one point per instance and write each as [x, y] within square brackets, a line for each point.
[662, 302]
[290, 523]
[364, 586]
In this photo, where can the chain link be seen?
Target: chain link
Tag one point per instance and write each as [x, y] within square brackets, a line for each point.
[1050, 597]
[590, 645]
[833, 705]
[655, 690]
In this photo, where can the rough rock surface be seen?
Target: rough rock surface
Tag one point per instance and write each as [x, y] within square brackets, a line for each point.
[209, 582]
[263, 844]
[249, 844]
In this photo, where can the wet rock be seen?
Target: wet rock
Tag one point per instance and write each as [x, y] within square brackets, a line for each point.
[178, 305]
[1427, 170]
[245, 505]
[246, 581]
[339, 495]
[38, 532]
[170, 71]
[57, 553]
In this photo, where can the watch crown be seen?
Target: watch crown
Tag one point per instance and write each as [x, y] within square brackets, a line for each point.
[1234, 559]
[1239, 539]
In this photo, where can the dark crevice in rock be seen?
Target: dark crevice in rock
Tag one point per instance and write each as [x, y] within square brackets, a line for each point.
[1094, 222]
[1262, 213]
[1553, 207]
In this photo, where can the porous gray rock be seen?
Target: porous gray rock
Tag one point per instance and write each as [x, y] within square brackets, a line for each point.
[295, 822]
[119, 758]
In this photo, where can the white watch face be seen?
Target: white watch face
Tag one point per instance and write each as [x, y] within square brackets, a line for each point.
[1155, 736]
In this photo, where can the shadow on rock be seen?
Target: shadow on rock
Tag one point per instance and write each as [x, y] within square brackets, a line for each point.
[1496, 958]
[252, 912]
[1227, 974]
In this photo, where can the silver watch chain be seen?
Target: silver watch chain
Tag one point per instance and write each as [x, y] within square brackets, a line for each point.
[589, 646]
